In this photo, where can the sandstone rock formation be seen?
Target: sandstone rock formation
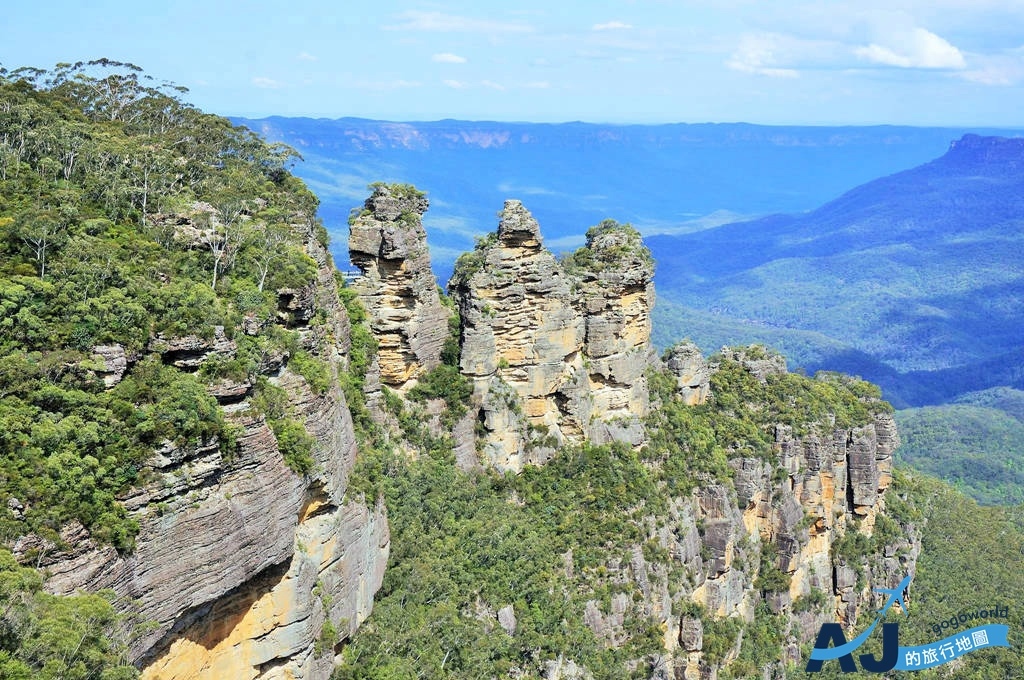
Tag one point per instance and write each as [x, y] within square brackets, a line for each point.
[241, 563]
[557, 352]
[825, 484]
[616, 272]
[522, 337]
[692, 372]
[114, 361]
[388, 244]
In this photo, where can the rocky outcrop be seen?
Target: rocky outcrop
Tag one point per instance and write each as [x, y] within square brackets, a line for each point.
[522, 341]
[793, 513]
[616, 271]
[388, 244]
[113, 363]
[189, 352]
[557, 352]
[240, 563]
[692, 372]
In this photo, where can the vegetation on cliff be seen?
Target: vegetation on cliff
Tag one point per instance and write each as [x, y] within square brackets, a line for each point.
[970, 561]
[46, 637]
[466, 545]
[129, 218]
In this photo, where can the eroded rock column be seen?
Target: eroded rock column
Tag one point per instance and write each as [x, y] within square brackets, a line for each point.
[522, 341]
[397, 287]
[616, 272]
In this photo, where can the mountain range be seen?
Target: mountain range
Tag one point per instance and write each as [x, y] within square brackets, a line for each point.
[914, 280]
[660, 178]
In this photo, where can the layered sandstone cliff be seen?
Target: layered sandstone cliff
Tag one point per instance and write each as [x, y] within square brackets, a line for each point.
[242, 567]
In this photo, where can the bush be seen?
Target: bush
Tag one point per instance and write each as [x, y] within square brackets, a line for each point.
[313, 370]
[294, 443]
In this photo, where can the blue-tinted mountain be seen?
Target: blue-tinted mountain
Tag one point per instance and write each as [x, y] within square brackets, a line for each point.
[915, 280]
[661, 178]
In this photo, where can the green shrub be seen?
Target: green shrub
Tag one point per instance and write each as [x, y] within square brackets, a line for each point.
[315, 372]
[294, 443]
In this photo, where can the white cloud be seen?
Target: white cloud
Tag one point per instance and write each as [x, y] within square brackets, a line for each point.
[414, 20]
[761, 54]
[1003, 69]
[611, 26]
[306, 56]
[919, 49]
[448, 58]
[493, 85]
[512, 188]
[450, 224]
[266, 83]
[455, 84]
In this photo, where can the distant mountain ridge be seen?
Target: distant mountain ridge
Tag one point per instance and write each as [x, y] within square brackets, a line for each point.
[921, 271]
[363, 133]
[661, 178]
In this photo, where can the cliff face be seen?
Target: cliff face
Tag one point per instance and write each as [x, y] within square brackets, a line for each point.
[245, 568]
[779, 531]
[557, 354]
[388, 244]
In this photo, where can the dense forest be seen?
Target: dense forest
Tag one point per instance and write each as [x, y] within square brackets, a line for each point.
[126, 216]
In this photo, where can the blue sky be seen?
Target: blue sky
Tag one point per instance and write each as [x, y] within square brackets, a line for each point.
[918, 62]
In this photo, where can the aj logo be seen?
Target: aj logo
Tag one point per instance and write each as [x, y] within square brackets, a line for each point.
[832, 634]
[832, 644]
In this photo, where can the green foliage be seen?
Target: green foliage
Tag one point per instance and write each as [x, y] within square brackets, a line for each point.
[459, 540]
[399, 190]
[313, 370]
[473, 261]
[814, 601]
[325, 642]
[603, 254]
[451, 352]
[770, 578]
[691, 444]
[447, 383]
[361, 352]
[169, 405]
[46, 637]
[720, 636]
[762, 643]
[1006, 399]
[294, 443]
[980, 450]
[101, 171]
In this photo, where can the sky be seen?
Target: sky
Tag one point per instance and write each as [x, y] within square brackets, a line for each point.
[820, 62]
